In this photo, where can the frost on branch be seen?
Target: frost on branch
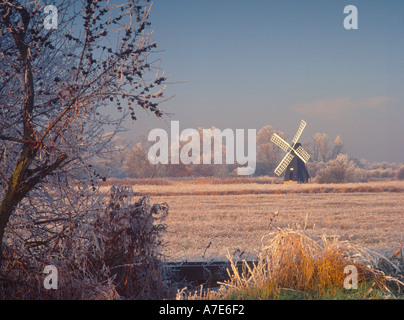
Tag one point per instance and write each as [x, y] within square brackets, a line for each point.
[56, 86]
[103, 245]
[127, 240]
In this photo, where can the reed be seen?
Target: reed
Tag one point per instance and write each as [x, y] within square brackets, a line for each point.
[293, 265]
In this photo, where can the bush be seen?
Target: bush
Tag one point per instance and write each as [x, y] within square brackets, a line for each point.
[103, 246]
[127, 242]
[400, 173]
[338, 170]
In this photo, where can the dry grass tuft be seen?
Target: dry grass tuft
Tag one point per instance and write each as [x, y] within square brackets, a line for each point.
[292, 262]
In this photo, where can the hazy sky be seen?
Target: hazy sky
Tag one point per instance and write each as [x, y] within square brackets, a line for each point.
[254, 63]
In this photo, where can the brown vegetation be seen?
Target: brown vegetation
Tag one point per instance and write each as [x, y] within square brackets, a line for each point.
[291, 264]
[234, 216]
[400, 173]
[206, 186]
[111, 253]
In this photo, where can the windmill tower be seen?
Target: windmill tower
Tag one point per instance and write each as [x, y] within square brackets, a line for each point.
[295, 159]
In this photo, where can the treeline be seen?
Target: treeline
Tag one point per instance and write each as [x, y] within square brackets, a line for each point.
[328, 162]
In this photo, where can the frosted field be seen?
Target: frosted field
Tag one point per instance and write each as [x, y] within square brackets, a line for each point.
[235, 216]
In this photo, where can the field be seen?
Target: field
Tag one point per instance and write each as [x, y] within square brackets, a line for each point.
[210, 217]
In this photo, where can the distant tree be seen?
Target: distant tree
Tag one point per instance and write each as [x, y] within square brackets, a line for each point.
[54, 86]
[268, 154]
[400, 173]
[111, 163]
[137, 164]
[314, 167]
[320, 147]
[337, 170]
[338, 147]
[178, 170]
[209, 169]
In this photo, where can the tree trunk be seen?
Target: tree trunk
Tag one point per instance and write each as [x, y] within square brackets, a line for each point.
[16, 190]
[18, 187]
[11, 199]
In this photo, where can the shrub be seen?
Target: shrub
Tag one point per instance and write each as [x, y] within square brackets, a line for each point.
[103, 246]
[338, 170]
[127, 242]
[400, 173]
[293, 265]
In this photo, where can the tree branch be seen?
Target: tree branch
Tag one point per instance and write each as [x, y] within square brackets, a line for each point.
[43, 173]
[16, 139]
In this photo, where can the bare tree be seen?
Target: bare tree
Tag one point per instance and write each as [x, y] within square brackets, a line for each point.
[209, 169]
[56, 84]
[269, 154]
[137, 164]
[338, 147]
[320, 147]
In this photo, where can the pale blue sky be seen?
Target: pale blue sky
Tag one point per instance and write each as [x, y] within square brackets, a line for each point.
[253, 63]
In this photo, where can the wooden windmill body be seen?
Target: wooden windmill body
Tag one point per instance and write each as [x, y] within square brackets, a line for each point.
[294, 162]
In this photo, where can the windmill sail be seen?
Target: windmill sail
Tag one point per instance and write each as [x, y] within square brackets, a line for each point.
[280, 142]
[299, 131]
[294, 162]
[284, 163]
[302, 154]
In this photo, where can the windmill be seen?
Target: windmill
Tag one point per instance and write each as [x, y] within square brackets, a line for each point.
[295, 160]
